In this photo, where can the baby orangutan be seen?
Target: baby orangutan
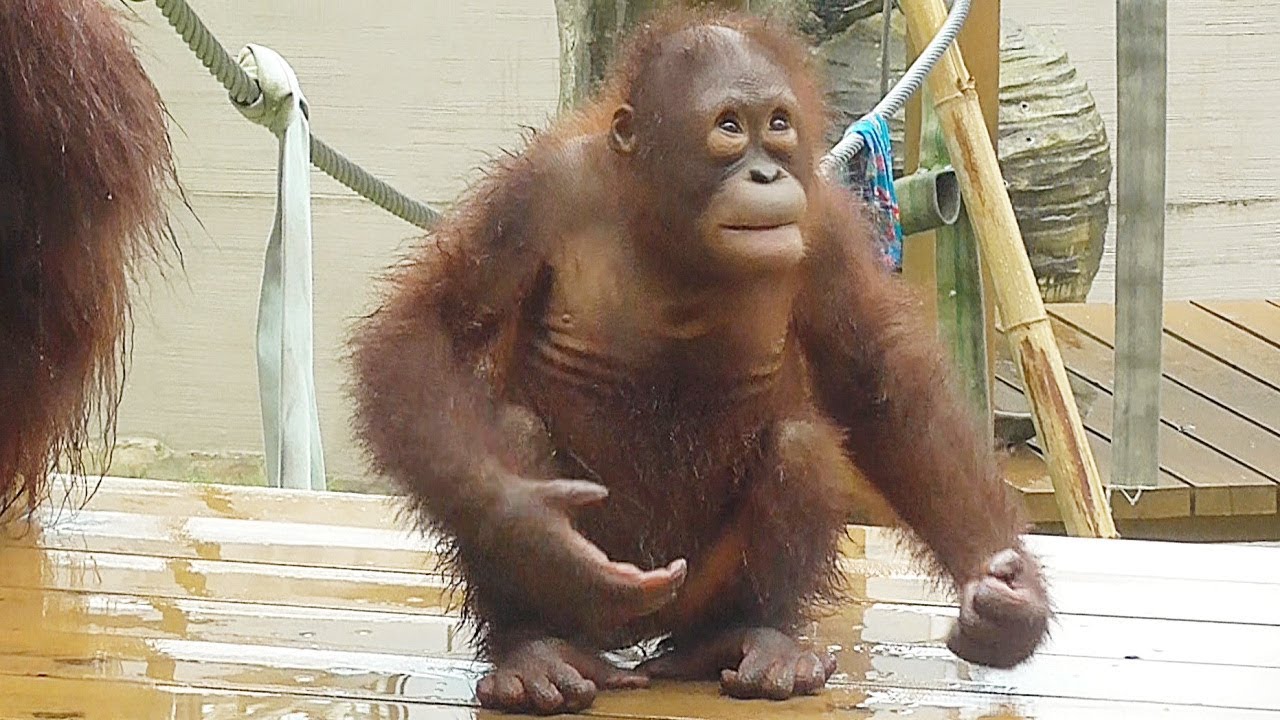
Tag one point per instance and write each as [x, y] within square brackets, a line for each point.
[632, 376]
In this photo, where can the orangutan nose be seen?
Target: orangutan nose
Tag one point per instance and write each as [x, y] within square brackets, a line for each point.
[765, 175]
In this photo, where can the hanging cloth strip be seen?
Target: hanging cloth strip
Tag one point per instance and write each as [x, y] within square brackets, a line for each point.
[286, 381]
[870, 174]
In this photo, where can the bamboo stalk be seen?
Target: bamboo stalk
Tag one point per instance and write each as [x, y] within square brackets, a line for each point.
[979, 42]
[919, 250]
[1077, 484]
[927, 199]
[961, 320]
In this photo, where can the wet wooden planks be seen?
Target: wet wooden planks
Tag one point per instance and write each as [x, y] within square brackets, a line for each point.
[164, 600]
[1220, 410]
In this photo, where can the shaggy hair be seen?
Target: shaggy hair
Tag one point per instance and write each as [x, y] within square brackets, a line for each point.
[85, 160]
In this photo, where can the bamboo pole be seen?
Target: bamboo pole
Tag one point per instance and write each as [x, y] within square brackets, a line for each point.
[1077, 485]
[979, 42]
[962, 322]
[919, 250]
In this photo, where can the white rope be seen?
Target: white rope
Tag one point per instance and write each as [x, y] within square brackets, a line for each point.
[293, 451]
[244, 91]
[890, 104]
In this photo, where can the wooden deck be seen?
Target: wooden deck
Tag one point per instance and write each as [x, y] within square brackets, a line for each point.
[1220, 415]
[165, 600]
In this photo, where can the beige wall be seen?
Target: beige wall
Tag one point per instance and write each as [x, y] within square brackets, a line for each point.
[1223, 180]
[421, 92]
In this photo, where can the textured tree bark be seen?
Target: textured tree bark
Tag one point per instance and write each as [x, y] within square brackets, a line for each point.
[589, 32]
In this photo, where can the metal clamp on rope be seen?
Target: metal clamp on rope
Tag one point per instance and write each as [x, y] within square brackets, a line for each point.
[281, 94]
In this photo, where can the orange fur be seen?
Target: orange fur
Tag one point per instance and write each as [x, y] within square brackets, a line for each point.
[564, 285]
[84, 162]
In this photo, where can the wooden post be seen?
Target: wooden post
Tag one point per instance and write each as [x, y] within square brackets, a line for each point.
[739, 5]
[1141, 48]
[587, 29]
[1077, 485]
[979, 41]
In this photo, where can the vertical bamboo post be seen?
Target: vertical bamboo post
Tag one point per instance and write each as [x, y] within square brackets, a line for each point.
[979, 42]
[919, 251]
[961, 316]
[1140, 205]
[1077, 485]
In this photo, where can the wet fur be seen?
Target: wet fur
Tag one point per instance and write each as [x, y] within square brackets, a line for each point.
[404, 386]
[85, 162]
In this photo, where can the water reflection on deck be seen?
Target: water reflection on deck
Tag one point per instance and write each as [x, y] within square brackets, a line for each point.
[168, 600]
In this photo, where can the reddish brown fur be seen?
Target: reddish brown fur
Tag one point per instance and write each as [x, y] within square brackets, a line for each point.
[84, 160]
[692, 471]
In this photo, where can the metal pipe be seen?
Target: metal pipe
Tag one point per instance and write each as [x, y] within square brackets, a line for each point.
[928, 199]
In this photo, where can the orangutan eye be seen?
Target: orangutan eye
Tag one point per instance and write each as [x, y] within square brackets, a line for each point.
[730, 125]
[780, 123]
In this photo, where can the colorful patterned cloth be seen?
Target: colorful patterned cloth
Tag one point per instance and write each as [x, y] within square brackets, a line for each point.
[871, 174]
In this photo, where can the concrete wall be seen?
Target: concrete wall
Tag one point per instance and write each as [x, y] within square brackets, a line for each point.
[1223, 181]
[421, 92]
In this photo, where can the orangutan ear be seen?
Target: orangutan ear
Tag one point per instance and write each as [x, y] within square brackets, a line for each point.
[622, 136]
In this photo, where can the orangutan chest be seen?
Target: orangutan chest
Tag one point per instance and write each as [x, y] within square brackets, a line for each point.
[608, 320]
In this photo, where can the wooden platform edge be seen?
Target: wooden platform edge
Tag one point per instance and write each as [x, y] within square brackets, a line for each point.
[1177, 509]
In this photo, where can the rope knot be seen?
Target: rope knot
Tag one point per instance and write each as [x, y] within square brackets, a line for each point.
[281, 94]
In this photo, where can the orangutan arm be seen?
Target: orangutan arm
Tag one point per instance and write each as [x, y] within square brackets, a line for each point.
[426, 415]
[881, 373]
[429, 413]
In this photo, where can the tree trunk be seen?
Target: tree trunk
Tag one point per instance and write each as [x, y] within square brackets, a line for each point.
[589, 32]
